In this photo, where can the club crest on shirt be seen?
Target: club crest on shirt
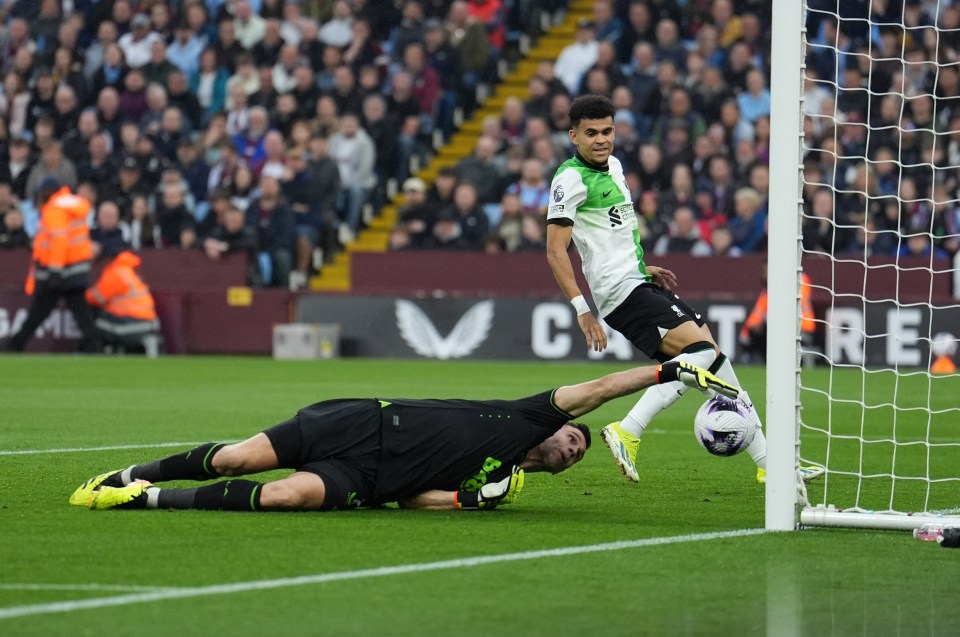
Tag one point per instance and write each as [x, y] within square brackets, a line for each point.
[558, 193]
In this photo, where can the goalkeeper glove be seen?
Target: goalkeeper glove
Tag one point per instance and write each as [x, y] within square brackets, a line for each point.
[489, 496]
[696, 377]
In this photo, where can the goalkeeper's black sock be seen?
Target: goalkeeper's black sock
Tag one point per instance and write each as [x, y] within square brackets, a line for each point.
[230, 495]
[195, 464]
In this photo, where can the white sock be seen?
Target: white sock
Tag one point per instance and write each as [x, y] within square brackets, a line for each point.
[757, 448]
[658, 397]
[153, 493]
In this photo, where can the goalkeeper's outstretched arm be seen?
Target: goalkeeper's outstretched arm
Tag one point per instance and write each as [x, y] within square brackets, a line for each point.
[580, 399]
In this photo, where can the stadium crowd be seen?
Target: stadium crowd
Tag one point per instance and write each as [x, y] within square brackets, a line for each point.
[270, 126]
[690, 83]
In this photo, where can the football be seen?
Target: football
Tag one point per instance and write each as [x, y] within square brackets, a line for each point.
[724, 426]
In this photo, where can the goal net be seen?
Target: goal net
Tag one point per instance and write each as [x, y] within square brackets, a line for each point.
[870, 145]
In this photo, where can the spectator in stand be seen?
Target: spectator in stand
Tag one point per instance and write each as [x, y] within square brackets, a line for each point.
[426, 82]
[533, 189]
[108, 111]
[52, 165]
[12, 233]
[233, 236]
[383, 131]
[683, 235]
[738, 64]
[719, 183]
[266, 52]
[158, 68]
[410, 29]
[748, 225]
[668, 45]
[362, 50]
[651, 224]
[473, 221]
[576, 58]
[14, 103]
[275, 159]
[209, 84]
[479, 169]
[533, 234]
[918, 245]
[338, 30]
[129, 185]
[652, 172]
[184, 52]
[468, 35]
[273, 220]
[720, 245]
[440, 194]
[99, 167]
[250, 27]
[246, 77]
[16, 167]
[819, 230]
[726, 22]
[193, 168]
[16, 37]
[132, 102]
[161, 20]
[355, 155]
[416, 216]
[226, 45]
[177, 225]
[681, 192]
[109, 234]
[447, 232]
[144, 232]
[42, 98]
[249, 144]
[180, 96]
[755, 101]
[137, 43]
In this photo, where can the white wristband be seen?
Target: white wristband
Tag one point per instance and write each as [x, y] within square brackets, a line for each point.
[580, 305]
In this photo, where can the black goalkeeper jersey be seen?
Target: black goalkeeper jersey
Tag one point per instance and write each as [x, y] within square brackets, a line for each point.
[458, 444]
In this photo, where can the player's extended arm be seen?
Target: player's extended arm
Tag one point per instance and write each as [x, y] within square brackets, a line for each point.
[487, 498]
[580, 399]
[558, 239]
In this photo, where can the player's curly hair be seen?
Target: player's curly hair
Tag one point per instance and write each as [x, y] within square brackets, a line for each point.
[590, 107]
[583, 429]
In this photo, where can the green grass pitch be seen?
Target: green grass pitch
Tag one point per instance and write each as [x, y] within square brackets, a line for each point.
[170, 572]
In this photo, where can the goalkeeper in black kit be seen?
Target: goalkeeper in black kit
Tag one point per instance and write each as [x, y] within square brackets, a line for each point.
[421, 454]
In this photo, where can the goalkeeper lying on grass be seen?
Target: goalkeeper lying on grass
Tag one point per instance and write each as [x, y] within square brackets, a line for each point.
[425, 454]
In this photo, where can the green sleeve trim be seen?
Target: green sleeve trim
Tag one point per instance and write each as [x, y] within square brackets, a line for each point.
[562, 412]
[254, 497]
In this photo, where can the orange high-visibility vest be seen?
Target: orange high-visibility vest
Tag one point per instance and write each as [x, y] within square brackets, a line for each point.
[62, 245]
[758, 316]
[120, 292]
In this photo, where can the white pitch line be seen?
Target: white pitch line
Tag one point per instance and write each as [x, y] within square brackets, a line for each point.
[322, 578]
[157, 445]
[123, 588]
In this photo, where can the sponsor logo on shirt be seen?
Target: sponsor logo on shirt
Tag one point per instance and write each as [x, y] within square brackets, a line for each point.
[558, 193]
[556, 209]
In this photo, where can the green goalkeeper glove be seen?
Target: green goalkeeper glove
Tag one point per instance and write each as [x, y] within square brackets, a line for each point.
[491, 495]
[696, 377]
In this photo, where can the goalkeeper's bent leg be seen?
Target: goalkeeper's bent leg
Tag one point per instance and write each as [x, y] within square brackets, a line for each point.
[658, 397]
[758, 448]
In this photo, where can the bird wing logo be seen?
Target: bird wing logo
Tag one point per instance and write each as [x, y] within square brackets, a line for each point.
[423, 338]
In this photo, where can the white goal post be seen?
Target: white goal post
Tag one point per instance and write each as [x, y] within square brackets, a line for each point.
[886, 429]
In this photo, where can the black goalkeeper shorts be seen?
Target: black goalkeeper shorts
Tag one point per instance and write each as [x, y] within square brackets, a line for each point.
[338, 440]
[649, 312]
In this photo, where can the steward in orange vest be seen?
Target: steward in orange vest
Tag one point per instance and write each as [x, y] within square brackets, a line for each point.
[127, 312]
[60, 267]
[753, 334]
